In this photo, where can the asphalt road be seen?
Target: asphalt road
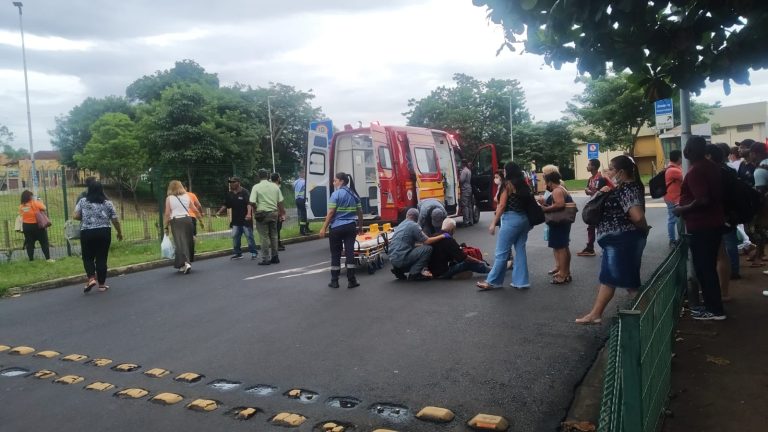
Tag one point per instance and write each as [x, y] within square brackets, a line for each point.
[508, 352]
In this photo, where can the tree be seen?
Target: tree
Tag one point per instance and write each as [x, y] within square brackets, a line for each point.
[476, 111]
[545, 143]
[115, 152]
[149, 87]
[73, 131]
[663, 43]
[6, 136]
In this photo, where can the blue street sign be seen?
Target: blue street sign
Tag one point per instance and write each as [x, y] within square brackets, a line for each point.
[593, 150]
[322, 126]
[663, 107]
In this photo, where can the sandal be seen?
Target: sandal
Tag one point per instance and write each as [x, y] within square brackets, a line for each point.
[103, 288]
[588, 321]
[561, 280]
[553, 272]
[485, 286]
[90, 285]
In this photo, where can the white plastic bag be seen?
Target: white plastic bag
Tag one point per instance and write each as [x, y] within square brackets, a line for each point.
[19, 225]
[72, 229]
[167, 250]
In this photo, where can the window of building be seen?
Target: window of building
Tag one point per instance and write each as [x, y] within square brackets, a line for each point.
[744, 128]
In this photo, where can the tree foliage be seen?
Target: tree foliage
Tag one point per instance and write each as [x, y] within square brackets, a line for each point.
[542, 143]
[73, 131]
[663, 43]
[11, 153]
[476, 111]
[149, 87]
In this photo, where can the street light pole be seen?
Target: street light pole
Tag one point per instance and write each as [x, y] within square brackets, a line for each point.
[26, 89]
[271, 135]
[511, 139]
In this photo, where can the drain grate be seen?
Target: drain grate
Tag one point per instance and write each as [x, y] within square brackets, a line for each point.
[14, 372]
[261, 390]
[391, 412]
[224, 385]
[345, 402]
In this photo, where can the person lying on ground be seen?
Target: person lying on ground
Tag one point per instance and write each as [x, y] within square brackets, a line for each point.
[449, 260]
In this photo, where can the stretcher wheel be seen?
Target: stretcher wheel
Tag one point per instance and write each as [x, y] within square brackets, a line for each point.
[380, 262]
[371, 268]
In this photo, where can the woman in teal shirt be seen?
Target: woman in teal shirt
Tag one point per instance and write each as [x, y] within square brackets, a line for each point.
[345, 218]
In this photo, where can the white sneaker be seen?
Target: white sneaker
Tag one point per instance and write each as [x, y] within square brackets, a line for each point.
[765, 293]
[187, 267]
[51, 260]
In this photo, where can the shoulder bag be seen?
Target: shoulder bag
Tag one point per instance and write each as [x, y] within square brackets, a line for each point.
[593, 210]
[535, 213]
[42, 219]
[564, 215]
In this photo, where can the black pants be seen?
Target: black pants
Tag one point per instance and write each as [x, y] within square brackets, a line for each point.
[705, 245]
[33, 234]
[95, 248]
[343, 236]
[301, 208]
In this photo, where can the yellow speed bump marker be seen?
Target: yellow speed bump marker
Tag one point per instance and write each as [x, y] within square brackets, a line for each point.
[126, 367]
[167, 398]
[435, 414]
[99, 386]
[333, 427]
[288, 419]
[242, 413]
[100, 362]
[189, 377]
[21, 350]
[295, 393]
[131, 393]
[4, 348]
[48, 354]
[69, 379]
[488, 422]
[74, 358]
[156, 373]
[204, 405]
[44, 374]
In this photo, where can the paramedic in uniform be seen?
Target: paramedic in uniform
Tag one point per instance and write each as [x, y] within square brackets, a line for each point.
[345, 218]
[403, 253]
[465, 184]
[300, 194]
[431, 215]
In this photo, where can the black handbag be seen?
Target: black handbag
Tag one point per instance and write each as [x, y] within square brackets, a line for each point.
[534, 212]
[593, 210]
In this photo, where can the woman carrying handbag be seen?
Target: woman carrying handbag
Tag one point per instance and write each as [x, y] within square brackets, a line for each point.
[34, 225]
[560, 212]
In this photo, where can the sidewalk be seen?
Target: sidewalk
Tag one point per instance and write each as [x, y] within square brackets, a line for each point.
[720, 369]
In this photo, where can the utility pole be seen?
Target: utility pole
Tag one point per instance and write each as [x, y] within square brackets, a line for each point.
[271, 134]
[511, 138]
[26, 89]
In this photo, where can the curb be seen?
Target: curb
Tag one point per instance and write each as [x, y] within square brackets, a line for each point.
[132, 268]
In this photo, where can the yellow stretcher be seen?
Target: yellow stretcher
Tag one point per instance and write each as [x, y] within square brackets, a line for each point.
[371, 246]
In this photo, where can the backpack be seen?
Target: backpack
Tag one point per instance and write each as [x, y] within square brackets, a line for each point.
[658, 184]
[473, 252]
[741, 202]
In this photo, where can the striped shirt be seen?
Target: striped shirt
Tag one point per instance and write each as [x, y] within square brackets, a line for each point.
[346, 205]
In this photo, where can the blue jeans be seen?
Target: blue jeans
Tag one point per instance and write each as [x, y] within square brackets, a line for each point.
[237, 232]
[513, 232]
[475, 267]
[732, 249]
[671, 221]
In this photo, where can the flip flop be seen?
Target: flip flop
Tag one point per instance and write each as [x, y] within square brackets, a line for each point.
[90, 285]
[104, 288]
[583, 321]
[485, 286]
[553, 272]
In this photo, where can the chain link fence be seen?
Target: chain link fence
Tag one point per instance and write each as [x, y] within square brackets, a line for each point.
[140, 211]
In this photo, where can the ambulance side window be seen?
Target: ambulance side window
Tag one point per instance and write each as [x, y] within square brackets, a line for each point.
[317, 163]
[385, 158]
[425, 160]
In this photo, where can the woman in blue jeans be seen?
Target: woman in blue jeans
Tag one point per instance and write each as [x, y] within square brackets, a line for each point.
[513, 202]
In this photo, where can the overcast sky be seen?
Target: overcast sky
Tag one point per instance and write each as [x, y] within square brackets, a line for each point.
[362, 59]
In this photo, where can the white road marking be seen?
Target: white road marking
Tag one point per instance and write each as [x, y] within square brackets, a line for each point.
[292, 270]
[307, 273]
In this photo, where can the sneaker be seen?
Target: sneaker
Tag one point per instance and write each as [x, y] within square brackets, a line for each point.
[765, 293]
[706, 316]
[399, 273]
[51, 260]
[275, 260]
[254, 256]
[187, 267]
[586, 253]
[334, 283]
[236, 257]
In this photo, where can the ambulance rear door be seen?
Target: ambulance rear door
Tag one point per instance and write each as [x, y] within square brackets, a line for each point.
[317, 175]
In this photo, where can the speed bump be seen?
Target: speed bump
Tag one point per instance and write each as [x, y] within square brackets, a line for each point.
[100, 362]
[156, 373]
[204, 405]
[488, 422]
[21, 350]
[47, 354]
[74, 358]
[44, 374]
[99, 386]
[435, 414]
[69, 379]
[333, 427]
[126, 367]
[4, 348]
[189, 377]
[131, 393]
[242, 413]
[288, 419]
[167, 398]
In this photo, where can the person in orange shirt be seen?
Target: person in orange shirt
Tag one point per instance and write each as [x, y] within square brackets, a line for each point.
[32, 233]
[195, 212]
[673, 177]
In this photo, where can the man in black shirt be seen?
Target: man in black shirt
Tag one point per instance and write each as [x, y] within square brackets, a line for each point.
[448, 259]
[746, 170]
[242, 221]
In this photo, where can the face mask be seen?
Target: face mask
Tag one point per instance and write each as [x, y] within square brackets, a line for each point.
[497, 180]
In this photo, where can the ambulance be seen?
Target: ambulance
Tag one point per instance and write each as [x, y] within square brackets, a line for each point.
[393, 168]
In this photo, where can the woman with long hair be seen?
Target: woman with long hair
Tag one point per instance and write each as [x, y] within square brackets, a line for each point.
[96, 212]
[559, 234]
[513, 202]
[28, 210]
[177, 219]
[345, 219]
[621, 234]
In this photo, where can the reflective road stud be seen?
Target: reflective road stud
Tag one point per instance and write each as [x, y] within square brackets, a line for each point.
[204, 405]
[21, 350]
[48, 354]
[4, 348]
[295, 393]
[435, 414]
[99, 386]
[74, 358]
[246, 413]
[288, 419]
[333, 427]
[488, 422]
[69, 379]
[156, 373]
[189, 377]
[167, 398]
[132, 393]
[100, 362]
[44, 374]
[126, 367]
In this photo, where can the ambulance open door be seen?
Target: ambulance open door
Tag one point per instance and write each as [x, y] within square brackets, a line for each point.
[317, 175]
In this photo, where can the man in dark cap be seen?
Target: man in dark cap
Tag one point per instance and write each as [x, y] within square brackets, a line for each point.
[241, 221]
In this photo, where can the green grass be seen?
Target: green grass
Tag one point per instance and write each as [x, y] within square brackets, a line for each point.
[580, 185]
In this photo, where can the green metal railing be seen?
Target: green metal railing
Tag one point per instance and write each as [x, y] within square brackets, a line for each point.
[638, 373]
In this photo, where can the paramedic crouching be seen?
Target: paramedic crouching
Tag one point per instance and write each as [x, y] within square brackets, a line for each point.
[431, 216]
[404, 255]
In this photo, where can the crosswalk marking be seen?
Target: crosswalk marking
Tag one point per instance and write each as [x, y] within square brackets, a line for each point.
[286, 271]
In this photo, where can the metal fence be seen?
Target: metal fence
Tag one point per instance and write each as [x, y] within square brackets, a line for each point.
[140, 214]
[638, 373]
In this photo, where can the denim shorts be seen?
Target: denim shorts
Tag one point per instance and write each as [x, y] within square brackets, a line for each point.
[622, 255]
